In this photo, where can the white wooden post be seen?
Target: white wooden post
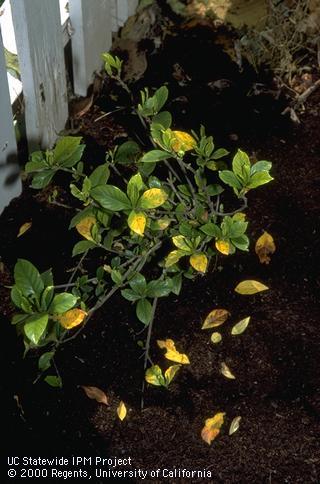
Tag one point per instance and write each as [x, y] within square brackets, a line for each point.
[10, 185]
[92, 35]
[38, 32]
[125, 8]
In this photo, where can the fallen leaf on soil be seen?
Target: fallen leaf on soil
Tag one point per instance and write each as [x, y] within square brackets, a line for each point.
[96, 394]
[265, 247]
[23, 229]
[183, 141]
[223, 246]
[215, 318]
[240, 327]
[199, 262]
[212, 427]
[234, 426]
[170, 373]
[71, 318]
[216, 338]
[122, 411]
[80, 107]
[171, 353]
[250, 287]
[84, 227]
[225, 370]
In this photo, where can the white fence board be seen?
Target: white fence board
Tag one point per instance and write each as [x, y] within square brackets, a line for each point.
[8, 148]
[125, 8]
[92, 34]
[38, 32]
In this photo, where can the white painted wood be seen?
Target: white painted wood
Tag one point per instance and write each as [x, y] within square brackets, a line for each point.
[132, 6]
[10, 185]
[39, 41]
[114, 15]
[122, 11]
[92, 35]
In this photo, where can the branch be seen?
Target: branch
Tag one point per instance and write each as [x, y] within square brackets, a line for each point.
[147, 347]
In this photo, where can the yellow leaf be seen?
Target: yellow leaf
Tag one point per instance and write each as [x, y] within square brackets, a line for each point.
[162, 223]
[240, 216]
[215, 318]
[122, 411]
[171, 353]
[173, 257]
[250, 287]
[212, 427]
[182, 141]
[234, 426]
[216, 338]
[181, 242]
[153, 198]
[71, 318]
[170, 373]
[225, 370]
[199, 262]
[241, 326]
[223, 246]
[23, 229]
[154, 376]
[265, 247]
[84, 227]
[137, 222]
[96, 394]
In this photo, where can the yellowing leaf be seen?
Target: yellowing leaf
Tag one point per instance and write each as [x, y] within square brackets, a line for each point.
[216, 338]
[241, 326]
[71, 318]
[215, 318]
[122, 411]
[225, 370]
[84, 227]
[153, 198]
[171, 353]
[265, 247]
[137, 222]
[24, 227]
[154, 376]
[182, 141]
[96, 394]
[223, 246]
[250, 287]
[234, 426]
[170, 373]
[181, 242]
[240, 216]
[173, 257]
[162, 223]
[212, 427]
[199, 262]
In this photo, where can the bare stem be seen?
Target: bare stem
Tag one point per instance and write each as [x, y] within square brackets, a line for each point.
[147, 348]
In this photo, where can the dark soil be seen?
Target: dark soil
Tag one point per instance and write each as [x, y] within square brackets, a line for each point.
[276, 361]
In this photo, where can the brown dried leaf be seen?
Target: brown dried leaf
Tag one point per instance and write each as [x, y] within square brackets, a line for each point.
[215, 318]
[212, 427]
[96, 394]
[265, 247]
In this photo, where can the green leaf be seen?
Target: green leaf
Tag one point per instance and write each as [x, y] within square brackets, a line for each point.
[176, 284]
[27, 278]
[135, 185]
[116, 276]
[82, 247]
[35, 165]
[241, 166]
[87, 212]
[47, 278]
[160, 96]
[99, 176]
[154, 156]
[53, 381]
[111, 198]
[211, 229]
[241, 243]
[214, 189]
[68, 151]
[16, 296]
[259, 178]
[138, 284]
[127, 153]
[62, 303]
[144, 311]
[42, 179]
[130, 295]
[146, 168]
[240, 327]
[46, 298]
[35, 327]
[163, 119]
[237, 229]
[260, 166]
[229, 178]
[159, 288]
[44, 361]
[19, 318]
[220, 153]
